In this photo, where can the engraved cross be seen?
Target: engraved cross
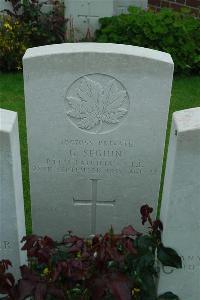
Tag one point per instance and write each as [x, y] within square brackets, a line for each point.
[93, 203]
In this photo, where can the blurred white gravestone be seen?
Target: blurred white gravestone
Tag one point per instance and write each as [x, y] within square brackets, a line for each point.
[5, 5]
[91, 110]
[12, 222]
[121, 6]
[180, 210]
[84, 16]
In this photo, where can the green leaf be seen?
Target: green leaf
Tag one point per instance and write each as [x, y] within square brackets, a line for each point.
[148, 282]
[144, 242]
[169, 257]
[168, 295]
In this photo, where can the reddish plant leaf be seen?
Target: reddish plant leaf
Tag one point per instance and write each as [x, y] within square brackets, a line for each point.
[4, 265]
[25, 288]
[129, 230]
[119, 286]
[40, 291]
[145, 211]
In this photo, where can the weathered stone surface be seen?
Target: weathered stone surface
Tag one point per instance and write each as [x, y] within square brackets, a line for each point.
[96, 121]
[180, 208]
[12, 224]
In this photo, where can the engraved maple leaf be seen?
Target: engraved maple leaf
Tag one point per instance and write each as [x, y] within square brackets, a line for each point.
[95, 104]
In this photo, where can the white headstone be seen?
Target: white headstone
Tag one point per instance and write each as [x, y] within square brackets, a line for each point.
[121, 6]
[84, 16]
[96, 121]
[180, 210]
[12, 223]
[5, 5]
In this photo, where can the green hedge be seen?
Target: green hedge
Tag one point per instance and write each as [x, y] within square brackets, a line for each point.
[177, 33]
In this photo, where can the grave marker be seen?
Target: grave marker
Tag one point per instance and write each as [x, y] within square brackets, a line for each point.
[92, 109]
[121, 6]
[84, 16]
[180, 209]
[12, 223]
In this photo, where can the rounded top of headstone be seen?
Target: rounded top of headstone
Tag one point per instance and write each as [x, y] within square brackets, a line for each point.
[7, 119]
[109, 48]
[188, 119]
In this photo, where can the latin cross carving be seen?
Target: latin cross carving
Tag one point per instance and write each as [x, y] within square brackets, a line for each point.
[93, 203]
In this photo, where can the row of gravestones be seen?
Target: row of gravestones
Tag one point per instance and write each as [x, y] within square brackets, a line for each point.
[96, 122]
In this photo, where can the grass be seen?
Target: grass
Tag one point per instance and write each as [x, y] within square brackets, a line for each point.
[185, 94]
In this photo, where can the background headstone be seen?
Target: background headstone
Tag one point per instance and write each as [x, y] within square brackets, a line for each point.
[4, 5]
[12, 223]
[180, 209]
[96, 122]
[121, 6]
[84, 16]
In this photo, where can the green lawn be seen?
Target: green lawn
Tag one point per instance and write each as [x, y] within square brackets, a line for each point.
[185, 94]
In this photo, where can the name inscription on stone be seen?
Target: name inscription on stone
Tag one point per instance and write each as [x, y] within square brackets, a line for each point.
[95, 158]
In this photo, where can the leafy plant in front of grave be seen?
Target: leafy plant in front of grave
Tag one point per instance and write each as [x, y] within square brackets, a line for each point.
[107, 267]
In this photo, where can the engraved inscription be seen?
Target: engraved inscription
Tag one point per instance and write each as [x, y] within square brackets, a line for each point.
[96, 158]
[5, 245]
[97, 103]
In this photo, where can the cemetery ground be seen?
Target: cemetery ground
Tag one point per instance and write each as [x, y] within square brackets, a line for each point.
[185, 94]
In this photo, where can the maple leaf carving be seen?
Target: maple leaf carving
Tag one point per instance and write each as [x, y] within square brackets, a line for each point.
[95, 104]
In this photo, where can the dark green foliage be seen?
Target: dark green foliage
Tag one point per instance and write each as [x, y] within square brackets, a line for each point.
[177, 33]
[169, 257]
[168, 296]
[106, 267]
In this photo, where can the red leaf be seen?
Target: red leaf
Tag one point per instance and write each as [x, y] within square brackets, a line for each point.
[58, 293]
[40, 291]
[129, 246]
[119, 286]
[145, 211]
[98, 288]
[4, 265]
[129, 230]
[27, 274]
[26, 288]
